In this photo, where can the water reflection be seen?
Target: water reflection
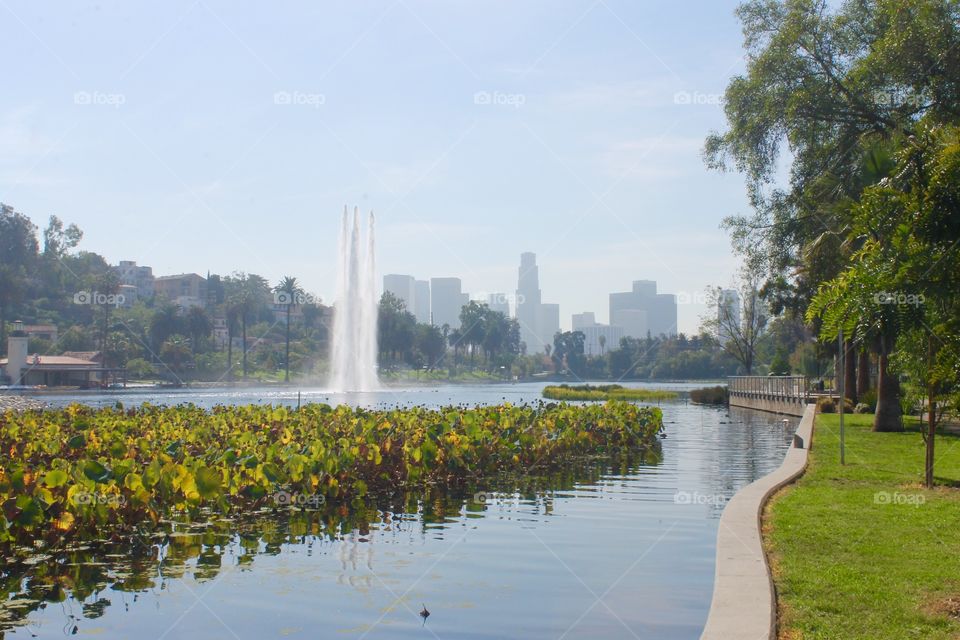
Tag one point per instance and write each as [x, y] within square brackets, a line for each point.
[80, 576]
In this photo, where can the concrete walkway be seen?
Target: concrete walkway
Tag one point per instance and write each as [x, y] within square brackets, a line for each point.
[744, 603]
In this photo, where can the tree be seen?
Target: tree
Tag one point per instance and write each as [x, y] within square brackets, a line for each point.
[567, 352]
[908, 228]
[738, 329]
[289, 293]
[18, 253]
[199, 326]
[431, 343]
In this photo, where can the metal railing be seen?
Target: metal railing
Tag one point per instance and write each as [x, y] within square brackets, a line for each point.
[784, 387]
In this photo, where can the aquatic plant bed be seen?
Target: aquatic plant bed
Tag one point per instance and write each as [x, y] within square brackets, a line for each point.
[710, 395]
[605, 392]
[82, 472]
[862, 550]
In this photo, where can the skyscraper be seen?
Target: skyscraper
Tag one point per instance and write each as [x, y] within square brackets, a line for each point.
[728, 314]
[402, 286]
[642, 310]
[421, 301]
[538, 321]
[528, 301]
[446, 301]
[498, 302]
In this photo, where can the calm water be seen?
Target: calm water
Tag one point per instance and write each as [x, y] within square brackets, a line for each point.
[593, 553]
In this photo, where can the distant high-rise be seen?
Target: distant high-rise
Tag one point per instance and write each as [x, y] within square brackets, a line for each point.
[642, 310]
[583, 320]
[403, 287]
[446, 301]
[498, 302]
[548, 322]
[728, 314]
[538, 321]
[421, 301]
[597, 338]
[528, 301]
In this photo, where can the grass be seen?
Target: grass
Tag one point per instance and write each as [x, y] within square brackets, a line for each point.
[862, 550]
[605, 392]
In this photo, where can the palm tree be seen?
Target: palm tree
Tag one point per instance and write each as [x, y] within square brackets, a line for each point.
[602, 339]
[288, 292]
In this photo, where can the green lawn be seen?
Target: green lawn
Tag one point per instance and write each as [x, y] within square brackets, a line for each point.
[862, 551]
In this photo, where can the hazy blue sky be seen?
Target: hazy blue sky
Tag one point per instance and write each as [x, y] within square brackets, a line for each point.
[208, 135]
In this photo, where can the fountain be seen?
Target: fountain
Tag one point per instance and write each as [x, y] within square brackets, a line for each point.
[353, 363]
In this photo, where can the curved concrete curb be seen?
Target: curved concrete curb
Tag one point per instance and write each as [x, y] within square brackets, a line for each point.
[744, 601]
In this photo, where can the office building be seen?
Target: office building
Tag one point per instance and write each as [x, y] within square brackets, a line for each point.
[421, 301]
[642, 310]
[403, 287]
[728, 314]
[446, 301]
[597, 338]
[498, 302]
[538, 321]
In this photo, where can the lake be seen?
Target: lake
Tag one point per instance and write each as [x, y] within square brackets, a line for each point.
[593, 552]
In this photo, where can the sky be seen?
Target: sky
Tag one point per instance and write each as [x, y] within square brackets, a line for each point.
[218, 136]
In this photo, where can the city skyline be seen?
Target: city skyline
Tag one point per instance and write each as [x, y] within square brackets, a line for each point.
[243, 158]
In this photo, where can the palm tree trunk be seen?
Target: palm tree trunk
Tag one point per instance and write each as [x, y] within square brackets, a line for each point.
[887, 416]
[286, 357]
[229, 352]
[849, 372]
[931, 420]
[243, 323]
[863, 373]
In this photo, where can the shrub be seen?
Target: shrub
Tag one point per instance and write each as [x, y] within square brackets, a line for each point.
[829, 405]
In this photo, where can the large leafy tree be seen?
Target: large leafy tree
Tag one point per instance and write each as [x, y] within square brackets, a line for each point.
[18, 254]
[903, 282]
[837, 87]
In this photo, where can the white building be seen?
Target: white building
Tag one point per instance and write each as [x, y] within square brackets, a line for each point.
[141, 278]
[598, 338]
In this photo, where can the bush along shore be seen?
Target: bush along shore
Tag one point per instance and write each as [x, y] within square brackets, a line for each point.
[605, 392]
[710, 395]
[82, 472]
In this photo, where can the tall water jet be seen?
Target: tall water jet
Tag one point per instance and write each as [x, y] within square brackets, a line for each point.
[353, 362]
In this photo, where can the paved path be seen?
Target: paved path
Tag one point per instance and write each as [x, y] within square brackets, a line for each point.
[744, 602]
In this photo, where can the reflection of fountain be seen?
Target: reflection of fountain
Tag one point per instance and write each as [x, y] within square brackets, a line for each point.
[353, 363]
